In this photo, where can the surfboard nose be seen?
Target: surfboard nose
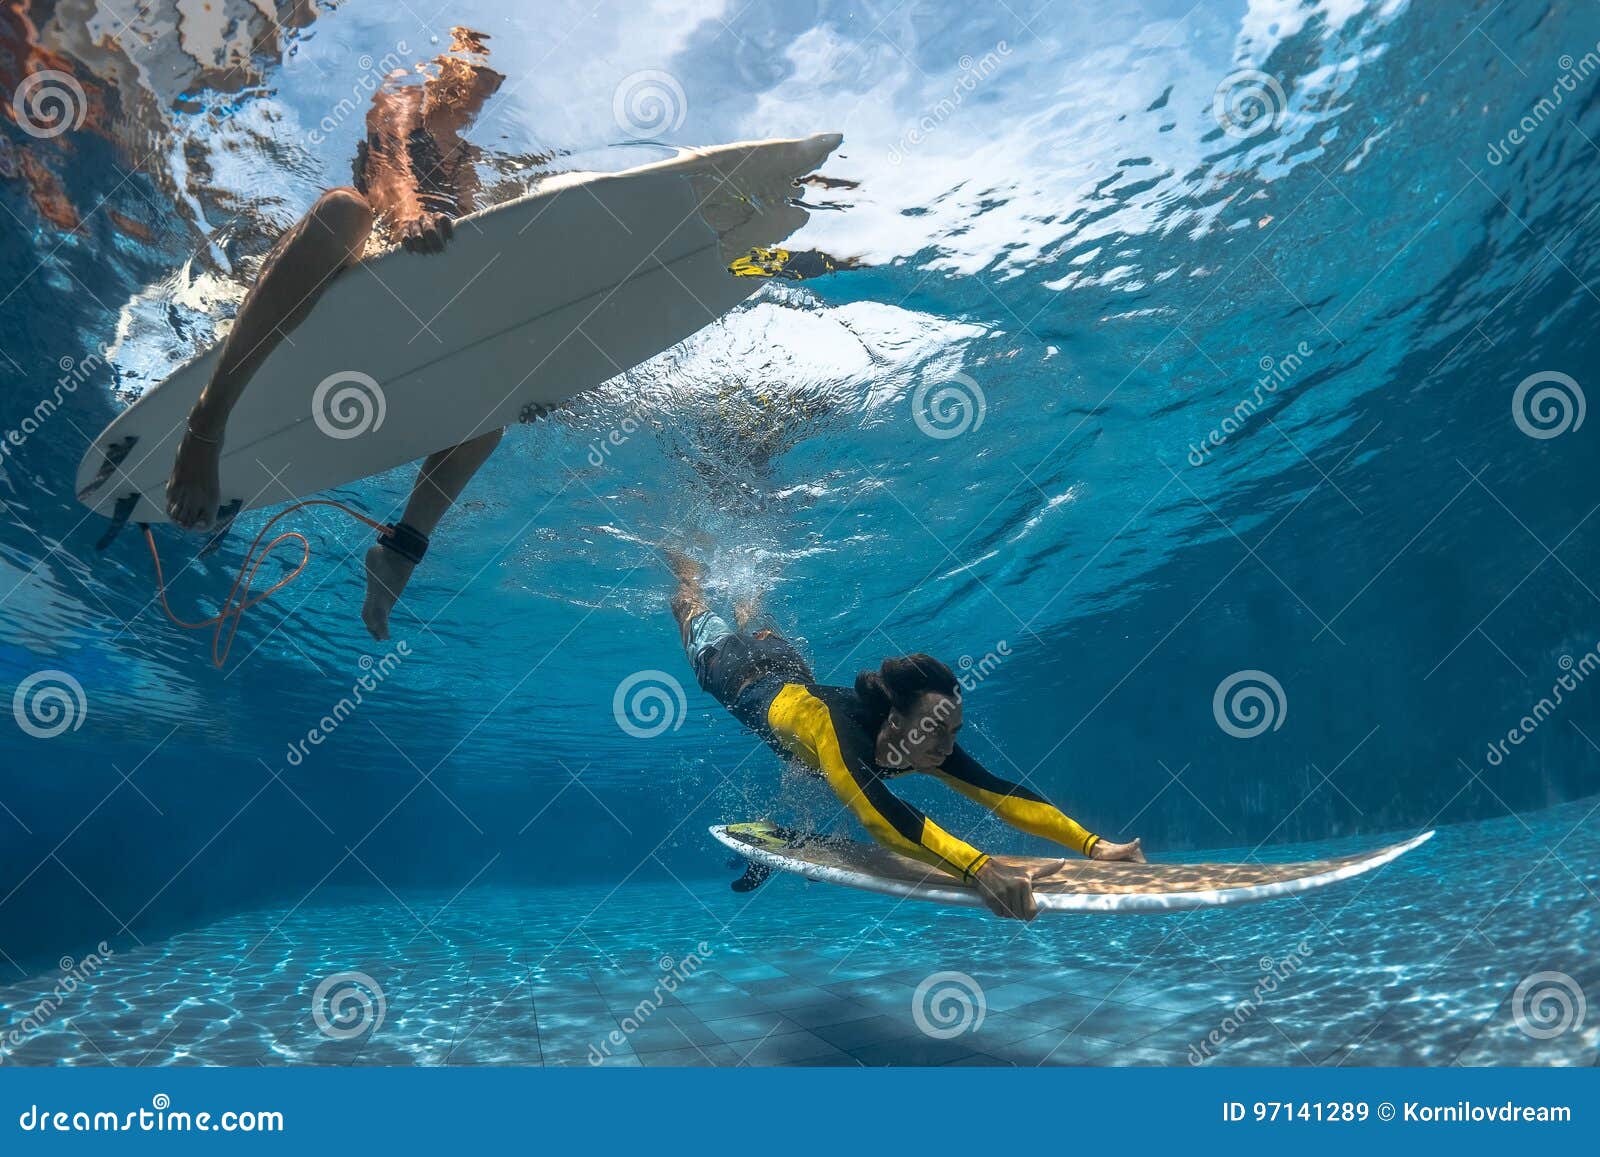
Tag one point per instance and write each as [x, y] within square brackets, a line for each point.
[816, 147]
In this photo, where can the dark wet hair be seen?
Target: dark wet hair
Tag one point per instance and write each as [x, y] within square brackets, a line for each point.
[898, 683]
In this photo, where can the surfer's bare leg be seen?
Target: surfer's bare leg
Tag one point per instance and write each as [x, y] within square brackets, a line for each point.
[745, 611]
[329, 238]
[688, 604]
[439, 483]
[689, 600]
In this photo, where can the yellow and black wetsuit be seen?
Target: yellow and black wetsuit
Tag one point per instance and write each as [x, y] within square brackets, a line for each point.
[829, 730]
[787, 266]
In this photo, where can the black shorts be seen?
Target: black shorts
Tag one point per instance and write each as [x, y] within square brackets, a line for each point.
[727, 662]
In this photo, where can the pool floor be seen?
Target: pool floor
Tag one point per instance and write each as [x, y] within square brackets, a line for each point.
[1477, 948]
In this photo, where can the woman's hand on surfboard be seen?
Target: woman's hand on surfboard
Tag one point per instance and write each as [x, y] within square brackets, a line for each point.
[1007, 890]
[1132, 853]
[427, 232]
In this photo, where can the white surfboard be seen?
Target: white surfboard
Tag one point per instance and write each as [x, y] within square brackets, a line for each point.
[531, 302]
[1074, 885]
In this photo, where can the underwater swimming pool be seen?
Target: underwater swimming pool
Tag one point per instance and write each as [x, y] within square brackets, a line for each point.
[683, 973]
[1168, 352]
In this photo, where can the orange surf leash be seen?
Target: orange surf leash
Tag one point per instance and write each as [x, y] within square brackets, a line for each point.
[239, 600]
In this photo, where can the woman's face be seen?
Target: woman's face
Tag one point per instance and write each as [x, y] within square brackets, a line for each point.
[926, 735]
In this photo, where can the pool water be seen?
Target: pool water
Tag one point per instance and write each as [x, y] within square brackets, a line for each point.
[1208, 387]
[1404, 966]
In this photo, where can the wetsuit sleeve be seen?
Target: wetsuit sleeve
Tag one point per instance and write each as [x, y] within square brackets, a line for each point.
[806, 726]
[1024, 810]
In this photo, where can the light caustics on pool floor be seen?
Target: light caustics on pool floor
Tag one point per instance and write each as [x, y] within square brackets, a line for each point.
[1476, 949]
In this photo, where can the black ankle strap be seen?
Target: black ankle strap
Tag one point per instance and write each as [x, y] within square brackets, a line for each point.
[406, 541]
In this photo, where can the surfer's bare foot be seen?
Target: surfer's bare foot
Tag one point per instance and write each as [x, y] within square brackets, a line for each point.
[1128, 853]
[194, 491]
[387, 575]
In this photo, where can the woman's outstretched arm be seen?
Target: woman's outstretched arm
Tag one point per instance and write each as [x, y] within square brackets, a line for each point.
[1022, 808]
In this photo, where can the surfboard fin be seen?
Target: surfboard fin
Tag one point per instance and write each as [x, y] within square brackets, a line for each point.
[115, 454]
[119, 518]
[754, 876]
[225, 516]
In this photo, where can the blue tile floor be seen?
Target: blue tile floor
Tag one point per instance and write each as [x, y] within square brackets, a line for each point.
[1478, 948]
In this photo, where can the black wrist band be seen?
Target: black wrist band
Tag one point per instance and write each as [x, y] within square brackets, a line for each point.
[406, 541]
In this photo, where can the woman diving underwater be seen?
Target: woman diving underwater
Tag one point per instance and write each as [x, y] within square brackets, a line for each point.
[898, 720]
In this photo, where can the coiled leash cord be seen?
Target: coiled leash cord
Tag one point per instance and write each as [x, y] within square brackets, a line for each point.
[226, 621]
